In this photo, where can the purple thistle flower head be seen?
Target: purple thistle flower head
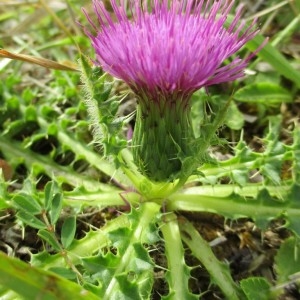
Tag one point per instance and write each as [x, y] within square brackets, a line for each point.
[169, 47]
[165, 51]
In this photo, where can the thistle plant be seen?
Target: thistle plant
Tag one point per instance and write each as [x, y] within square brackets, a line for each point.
[180, 61]
[165, 52]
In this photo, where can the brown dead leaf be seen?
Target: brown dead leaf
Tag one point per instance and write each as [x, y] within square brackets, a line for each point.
[6, 169]
[46, 63]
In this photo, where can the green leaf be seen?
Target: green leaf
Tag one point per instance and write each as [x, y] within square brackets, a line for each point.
[31, 220]
[42, 258]
[263, 92]
[256, 288]
[261, 206]
[50, 238]
[241, 177]
[234, 118]
[102, 108]
[271, 55]
[8, 294]
[120, 238]
[50, 190]
[68, 231]
[56, 208]
[142, 261]
[287, 260]
[266, 208]
[64, 272]
[27, 204]
[128, 289]
[293, 195]
[178, 272]
[52, 129]
[133, 282]
[3, 204]
[105, 263]
[296, 155]
[33, 283]
[272, 171]
[126, 270]
[28, 95]
[4, 195]
[30, 113]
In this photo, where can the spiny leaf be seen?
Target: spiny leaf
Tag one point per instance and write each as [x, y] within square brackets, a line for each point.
[256, 288]
[133, 281]
[178, 273]
[267, 164]
[129, 289]
[241, 177]
[102, 268]
[102, 108]
[287, 260]
[148, 235]
[261, 206]
[141, 260]
[266, 207]
[271, 171]
[219, 271]
[126, 270]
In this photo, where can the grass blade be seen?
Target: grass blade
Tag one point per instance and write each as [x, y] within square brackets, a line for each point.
[275, 59]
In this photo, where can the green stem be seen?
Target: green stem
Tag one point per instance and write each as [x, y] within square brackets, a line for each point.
[218, 271]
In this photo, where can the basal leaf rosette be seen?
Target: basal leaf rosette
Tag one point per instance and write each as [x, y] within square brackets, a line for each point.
[166, 50]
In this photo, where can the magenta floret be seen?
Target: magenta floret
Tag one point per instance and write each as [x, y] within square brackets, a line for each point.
[180, 46]
[165, 50]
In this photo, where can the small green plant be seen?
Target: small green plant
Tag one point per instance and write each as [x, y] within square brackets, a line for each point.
[78, 157]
